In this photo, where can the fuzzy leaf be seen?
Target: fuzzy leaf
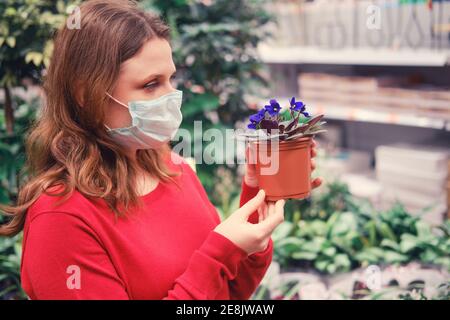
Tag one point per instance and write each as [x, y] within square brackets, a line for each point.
[268, 125]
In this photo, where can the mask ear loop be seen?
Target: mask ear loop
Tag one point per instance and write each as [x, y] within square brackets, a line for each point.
[121, 103]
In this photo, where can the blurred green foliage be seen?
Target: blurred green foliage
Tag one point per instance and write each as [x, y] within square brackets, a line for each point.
[12, 160]
[26, 29]
[336, 232]
[10, 256]
[214, 49]
[12, 148]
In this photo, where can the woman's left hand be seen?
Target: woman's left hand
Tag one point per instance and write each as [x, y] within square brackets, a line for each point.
[251, 178]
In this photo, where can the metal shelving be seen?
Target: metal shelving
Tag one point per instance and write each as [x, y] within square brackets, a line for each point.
[379, 115]
[350, 56]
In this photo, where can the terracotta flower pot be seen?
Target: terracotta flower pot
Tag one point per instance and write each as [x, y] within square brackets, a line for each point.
[291, 178]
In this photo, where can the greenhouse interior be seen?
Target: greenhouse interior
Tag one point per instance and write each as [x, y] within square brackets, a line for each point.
[372, 221]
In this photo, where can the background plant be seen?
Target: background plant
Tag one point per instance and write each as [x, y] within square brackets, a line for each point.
[26, 29]
[12, 160]
[336, 232]
[214, 50]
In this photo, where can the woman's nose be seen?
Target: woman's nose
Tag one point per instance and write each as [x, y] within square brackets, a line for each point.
[169, 88]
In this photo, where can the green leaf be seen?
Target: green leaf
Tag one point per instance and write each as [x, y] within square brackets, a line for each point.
[318, 227]
[315, 245]
[394, 257]
[429, 256]
[35, 57]
[345, 223]
[10, 11]
[386, 231]
[331, 268]
[304, 255]
[322, 265]
[288, 246]
[282, 231]
[423, 231]
[372, 231]
[371, 255]
[342, 261]
[11, 41]
[330, 252]
[408, 242]
[388, 243]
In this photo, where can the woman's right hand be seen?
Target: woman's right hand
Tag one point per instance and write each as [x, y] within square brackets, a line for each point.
[251, 237]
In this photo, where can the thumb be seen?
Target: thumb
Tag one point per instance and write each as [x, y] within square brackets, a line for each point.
[275, 218]
[252, 205]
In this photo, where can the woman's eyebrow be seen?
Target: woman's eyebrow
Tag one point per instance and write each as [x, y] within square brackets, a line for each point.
[158, 75]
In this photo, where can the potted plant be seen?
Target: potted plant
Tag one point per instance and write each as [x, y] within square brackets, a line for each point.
[280, 147]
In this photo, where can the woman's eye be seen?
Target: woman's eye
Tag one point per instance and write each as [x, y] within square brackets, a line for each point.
[154, 84]
[174, 79]
[151, 85]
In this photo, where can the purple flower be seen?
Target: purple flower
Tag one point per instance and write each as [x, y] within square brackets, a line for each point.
[274, 107]
[256, 118]
[299, 107]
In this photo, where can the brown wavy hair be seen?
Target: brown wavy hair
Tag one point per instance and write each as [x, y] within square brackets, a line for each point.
[68, 144]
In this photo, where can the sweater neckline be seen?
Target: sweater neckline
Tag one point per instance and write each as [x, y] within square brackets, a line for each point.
[154, 193]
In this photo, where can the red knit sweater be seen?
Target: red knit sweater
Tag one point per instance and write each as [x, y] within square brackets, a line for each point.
[166, 250]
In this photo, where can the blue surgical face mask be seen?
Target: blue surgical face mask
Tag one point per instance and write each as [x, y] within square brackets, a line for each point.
[154, 122]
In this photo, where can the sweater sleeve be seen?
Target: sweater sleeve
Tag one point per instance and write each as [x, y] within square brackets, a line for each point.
[64, 259]
[214, 263]
[253, 268]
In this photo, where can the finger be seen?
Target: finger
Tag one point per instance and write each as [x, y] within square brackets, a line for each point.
[252, 205]
[265, 210]
[274, 218]
[276, 213]
[270, 208]
[247, 153]
[313, 143]
[313, 152]
[260, 215]
[250, 155]
[313, 164]
[316, 183]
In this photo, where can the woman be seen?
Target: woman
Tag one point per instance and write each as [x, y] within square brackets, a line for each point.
[109, 211]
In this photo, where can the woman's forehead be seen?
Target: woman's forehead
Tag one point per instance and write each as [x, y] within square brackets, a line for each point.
[155, 57]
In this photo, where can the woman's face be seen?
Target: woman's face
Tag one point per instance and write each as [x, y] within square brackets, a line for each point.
[145, 76]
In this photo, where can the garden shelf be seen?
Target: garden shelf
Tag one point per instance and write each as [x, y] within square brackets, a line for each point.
[350, 56]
